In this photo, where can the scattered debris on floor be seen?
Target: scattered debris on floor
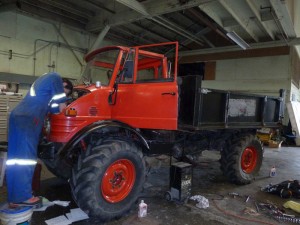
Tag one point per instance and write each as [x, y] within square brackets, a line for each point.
[47, 203]
[285, 189]
[202, 201]
[74, 216]
[251, 212]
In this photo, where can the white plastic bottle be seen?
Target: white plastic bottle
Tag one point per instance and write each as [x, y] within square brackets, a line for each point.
[142, 209]
[273, 172]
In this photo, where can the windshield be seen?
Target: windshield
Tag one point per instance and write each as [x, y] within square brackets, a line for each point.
[100, 67]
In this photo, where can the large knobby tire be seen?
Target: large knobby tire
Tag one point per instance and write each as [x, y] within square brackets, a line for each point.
[241, 159]
[108, 178]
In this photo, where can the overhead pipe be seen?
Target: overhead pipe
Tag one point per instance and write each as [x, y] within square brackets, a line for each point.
[281, 30]
[176, 30]
[69, 46]
[50, 59]
[208, 23]
[35, 51]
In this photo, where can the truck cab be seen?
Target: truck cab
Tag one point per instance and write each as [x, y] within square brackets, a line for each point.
[134, 86]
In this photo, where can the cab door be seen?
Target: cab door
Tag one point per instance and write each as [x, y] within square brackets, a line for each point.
[148, 97]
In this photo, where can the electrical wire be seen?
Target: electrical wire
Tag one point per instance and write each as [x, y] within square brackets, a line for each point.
[239, 217]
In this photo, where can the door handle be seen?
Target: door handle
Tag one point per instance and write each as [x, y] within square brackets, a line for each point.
[168, 93]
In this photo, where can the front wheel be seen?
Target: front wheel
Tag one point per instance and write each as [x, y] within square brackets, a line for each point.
[108, 178]
[242, 160]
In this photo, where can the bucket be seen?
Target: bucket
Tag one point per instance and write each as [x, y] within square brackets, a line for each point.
[17, 216]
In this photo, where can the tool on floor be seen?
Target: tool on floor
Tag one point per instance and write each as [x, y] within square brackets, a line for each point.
[234, 195]
[288, 219]
[257, 208]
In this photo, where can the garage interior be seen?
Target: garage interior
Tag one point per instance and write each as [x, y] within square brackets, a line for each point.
[250, 47]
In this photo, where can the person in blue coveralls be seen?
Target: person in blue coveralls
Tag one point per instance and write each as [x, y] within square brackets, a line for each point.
[46, 95]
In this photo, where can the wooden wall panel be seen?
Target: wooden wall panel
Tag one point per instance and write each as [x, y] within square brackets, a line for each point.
[210, 70]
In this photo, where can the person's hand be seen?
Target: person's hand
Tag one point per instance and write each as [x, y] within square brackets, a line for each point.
[62, 106]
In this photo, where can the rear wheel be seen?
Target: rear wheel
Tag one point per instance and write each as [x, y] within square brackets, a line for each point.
[108, 178]
[242, 159]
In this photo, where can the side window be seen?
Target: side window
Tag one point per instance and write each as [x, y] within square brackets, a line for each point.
[146, 74]
[98, 74]
[125, 74]
[151, 69]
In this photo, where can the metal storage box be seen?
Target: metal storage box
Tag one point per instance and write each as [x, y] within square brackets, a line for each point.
[201, 108]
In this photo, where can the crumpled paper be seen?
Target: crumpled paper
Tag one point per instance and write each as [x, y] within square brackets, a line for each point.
[202, 201]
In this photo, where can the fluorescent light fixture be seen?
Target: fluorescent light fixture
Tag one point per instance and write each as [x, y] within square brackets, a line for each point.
[238, 40]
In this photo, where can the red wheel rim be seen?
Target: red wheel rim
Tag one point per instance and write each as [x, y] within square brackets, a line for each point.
[249, 159]
[118, 180]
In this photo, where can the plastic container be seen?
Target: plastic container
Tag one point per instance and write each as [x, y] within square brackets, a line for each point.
[19, 215]
[98, 84]
[273, 172]
[142, 209]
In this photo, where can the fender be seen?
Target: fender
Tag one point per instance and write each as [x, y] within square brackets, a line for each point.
[95, 126]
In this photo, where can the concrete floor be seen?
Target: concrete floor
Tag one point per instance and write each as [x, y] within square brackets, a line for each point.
[208, 181]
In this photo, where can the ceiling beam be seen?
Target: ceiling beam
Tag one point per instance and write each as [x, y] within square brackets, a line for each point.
[151, 31]
[119, 38]
[135, 5]
[68, 7]
[271, 44]
[52, 14]
[284, 18]
[187, 41]
[257, 15]
[140, 8]
[153, 8]
[100, 38]
[11, 6]
[259, 52]
[208, 23]
[100, 5]
[132, 35]
[177, 29]
[240, 17]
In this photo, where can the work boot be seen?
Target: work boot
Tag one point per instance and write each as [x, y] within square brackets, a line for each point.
[35, 202]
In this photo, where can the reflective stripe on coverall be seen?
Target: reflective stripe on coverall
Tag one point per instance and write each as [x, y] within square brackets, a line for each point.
[25, 125]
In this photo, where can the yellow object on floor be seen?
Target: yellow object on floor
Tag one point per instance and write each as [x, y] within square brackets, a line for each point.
[264, 135]
[292, 205]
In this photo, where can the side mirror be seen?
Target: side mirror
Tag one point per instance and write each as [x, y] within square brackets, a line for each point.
[110, 98]
[114, 93]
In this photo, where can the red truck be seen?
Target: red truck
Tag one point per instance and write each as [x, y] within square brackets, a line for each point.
[132, 104]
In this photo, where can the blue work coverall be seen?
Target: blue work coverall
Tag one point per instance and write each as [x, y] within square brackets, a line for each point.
[25, 124]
